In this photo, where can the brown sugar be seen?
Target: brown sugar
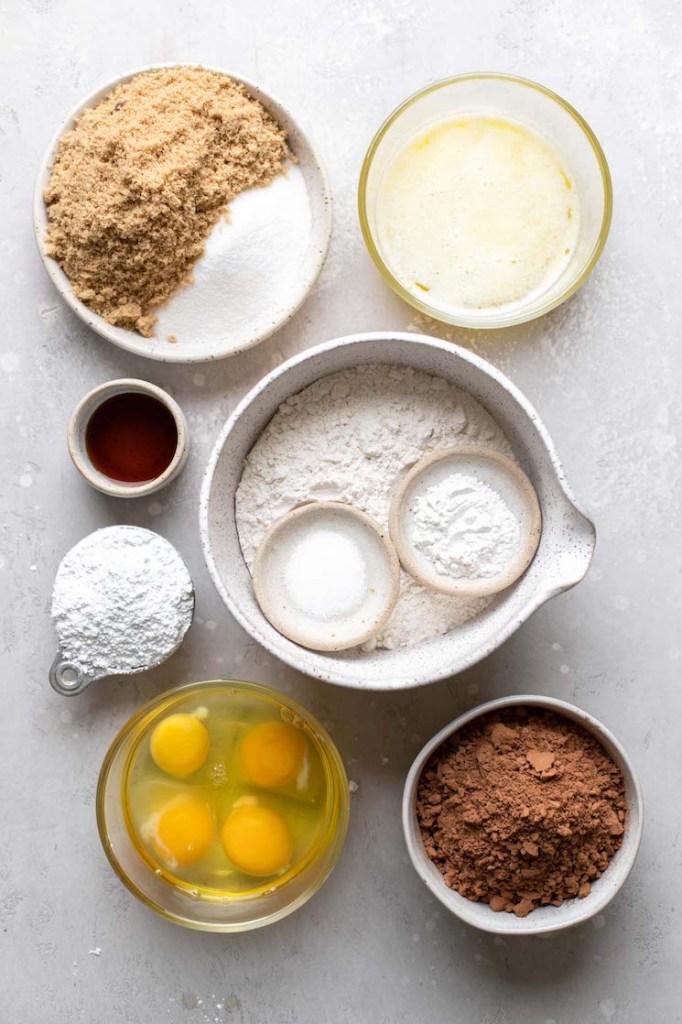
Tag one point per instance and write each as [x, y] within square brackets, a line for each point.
[521, 809]
[141, 179]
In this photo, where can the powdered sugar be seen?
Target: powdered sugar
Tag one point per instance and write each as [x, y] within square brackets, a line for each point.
[465, 528]
[122, 601]
[347, 437]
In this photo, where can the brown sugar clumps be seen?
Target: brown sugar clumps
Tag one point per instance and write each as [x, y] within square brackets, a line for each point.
[141, 179]
[521, 809]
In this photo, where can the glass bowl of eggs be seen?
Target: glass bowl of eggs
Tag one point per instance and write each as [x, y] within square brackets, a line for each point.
[485, 200]
[222, 805]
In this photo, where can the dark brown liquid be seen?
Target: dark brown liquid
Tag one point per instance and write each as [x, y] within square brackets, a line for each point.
[131, 437]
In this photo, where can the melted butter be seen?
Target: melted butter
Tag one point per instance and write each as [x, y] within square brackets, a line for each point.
[479, 212]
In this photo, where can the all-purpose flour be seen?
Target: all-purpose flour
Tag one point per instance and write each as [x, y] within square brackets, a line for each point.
[347, 437]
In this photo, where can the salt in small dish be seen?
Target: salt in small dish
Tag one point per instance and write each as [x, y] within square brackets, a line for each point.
[499, 473]
[196, 314]
[326, 576]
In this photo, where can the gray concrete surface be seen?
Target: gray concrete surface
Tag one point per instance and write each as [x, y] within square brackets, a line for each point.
[604, 372]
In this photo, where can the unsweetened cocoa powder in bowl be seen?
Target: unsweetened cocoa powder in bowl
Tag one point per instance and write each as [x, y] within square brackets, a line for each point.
[521, 808]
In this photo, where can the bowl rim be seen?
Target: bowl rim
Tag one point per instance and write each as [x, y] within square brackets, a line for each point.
[510, 319]
[130, 341]
[337, 842]
[420, 861]
[482, 365]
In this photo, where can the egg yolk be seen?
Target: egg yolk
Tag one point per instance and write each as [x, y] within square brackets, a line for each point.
[184, 831]
[257, 840]
[179, 744]
[272, 754]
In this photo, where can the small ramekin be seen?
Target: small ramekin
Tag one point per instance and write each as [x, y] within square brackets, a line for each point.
[317, 634]
[224, 913]
[78, 451]
[531, 104]
[543, 920]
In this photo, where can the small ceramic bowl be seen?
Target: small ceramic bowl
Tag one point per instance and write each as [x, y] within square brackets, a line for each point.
[363, 614]
[500, 473]
[520, 100]
[78, 451]
[543, 920]
[219, 343]
[216, 912]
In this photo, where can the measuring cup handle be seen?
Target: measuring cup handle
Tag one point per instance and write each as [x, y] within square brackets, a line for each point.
[67, 677]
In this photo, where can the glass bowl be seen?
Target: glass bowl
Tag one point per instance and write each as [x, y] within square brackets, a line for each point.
[528, 103]
[217, 912]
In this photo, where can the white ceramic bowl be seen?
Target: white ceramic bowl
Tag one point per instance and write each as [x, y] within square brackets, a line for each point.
[545, 919]
[193, 350]
[561, 561]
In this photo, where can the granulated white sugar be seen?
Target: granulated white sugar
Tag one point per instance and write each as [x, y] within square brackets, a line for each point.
[250, 269]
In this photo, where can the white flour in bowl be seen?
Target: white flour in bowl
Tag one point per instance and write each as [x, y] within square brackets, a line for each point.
[346, 438]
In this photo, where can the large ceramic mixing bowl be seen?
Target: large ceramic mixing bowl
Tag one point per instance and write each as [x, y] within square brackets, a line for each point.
[561, 561]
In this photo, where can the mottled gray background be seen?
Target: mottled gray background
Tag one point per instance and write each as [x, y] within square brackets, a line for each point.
[604, 372]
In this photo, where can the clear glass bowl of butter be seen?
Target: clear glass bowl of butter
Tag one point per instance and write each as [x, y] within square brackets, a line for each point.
[485, 200]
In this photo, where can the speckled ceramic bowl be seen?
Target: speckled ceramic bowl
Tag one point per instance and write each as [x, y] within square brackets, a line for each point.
[545, 919]
[193, 350]
[561, 561]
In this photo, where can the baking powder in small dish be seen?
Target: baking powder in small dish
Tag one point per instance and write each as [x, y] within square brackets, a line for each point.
[465, 528]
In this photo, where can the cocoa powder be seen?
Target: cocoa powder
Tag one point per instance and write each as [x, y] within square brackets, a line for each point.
[520, 809]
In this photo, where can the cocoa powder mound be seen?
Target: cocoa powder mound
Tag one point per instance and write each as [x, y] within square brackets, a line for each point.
[142, 177]
[521, 809]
